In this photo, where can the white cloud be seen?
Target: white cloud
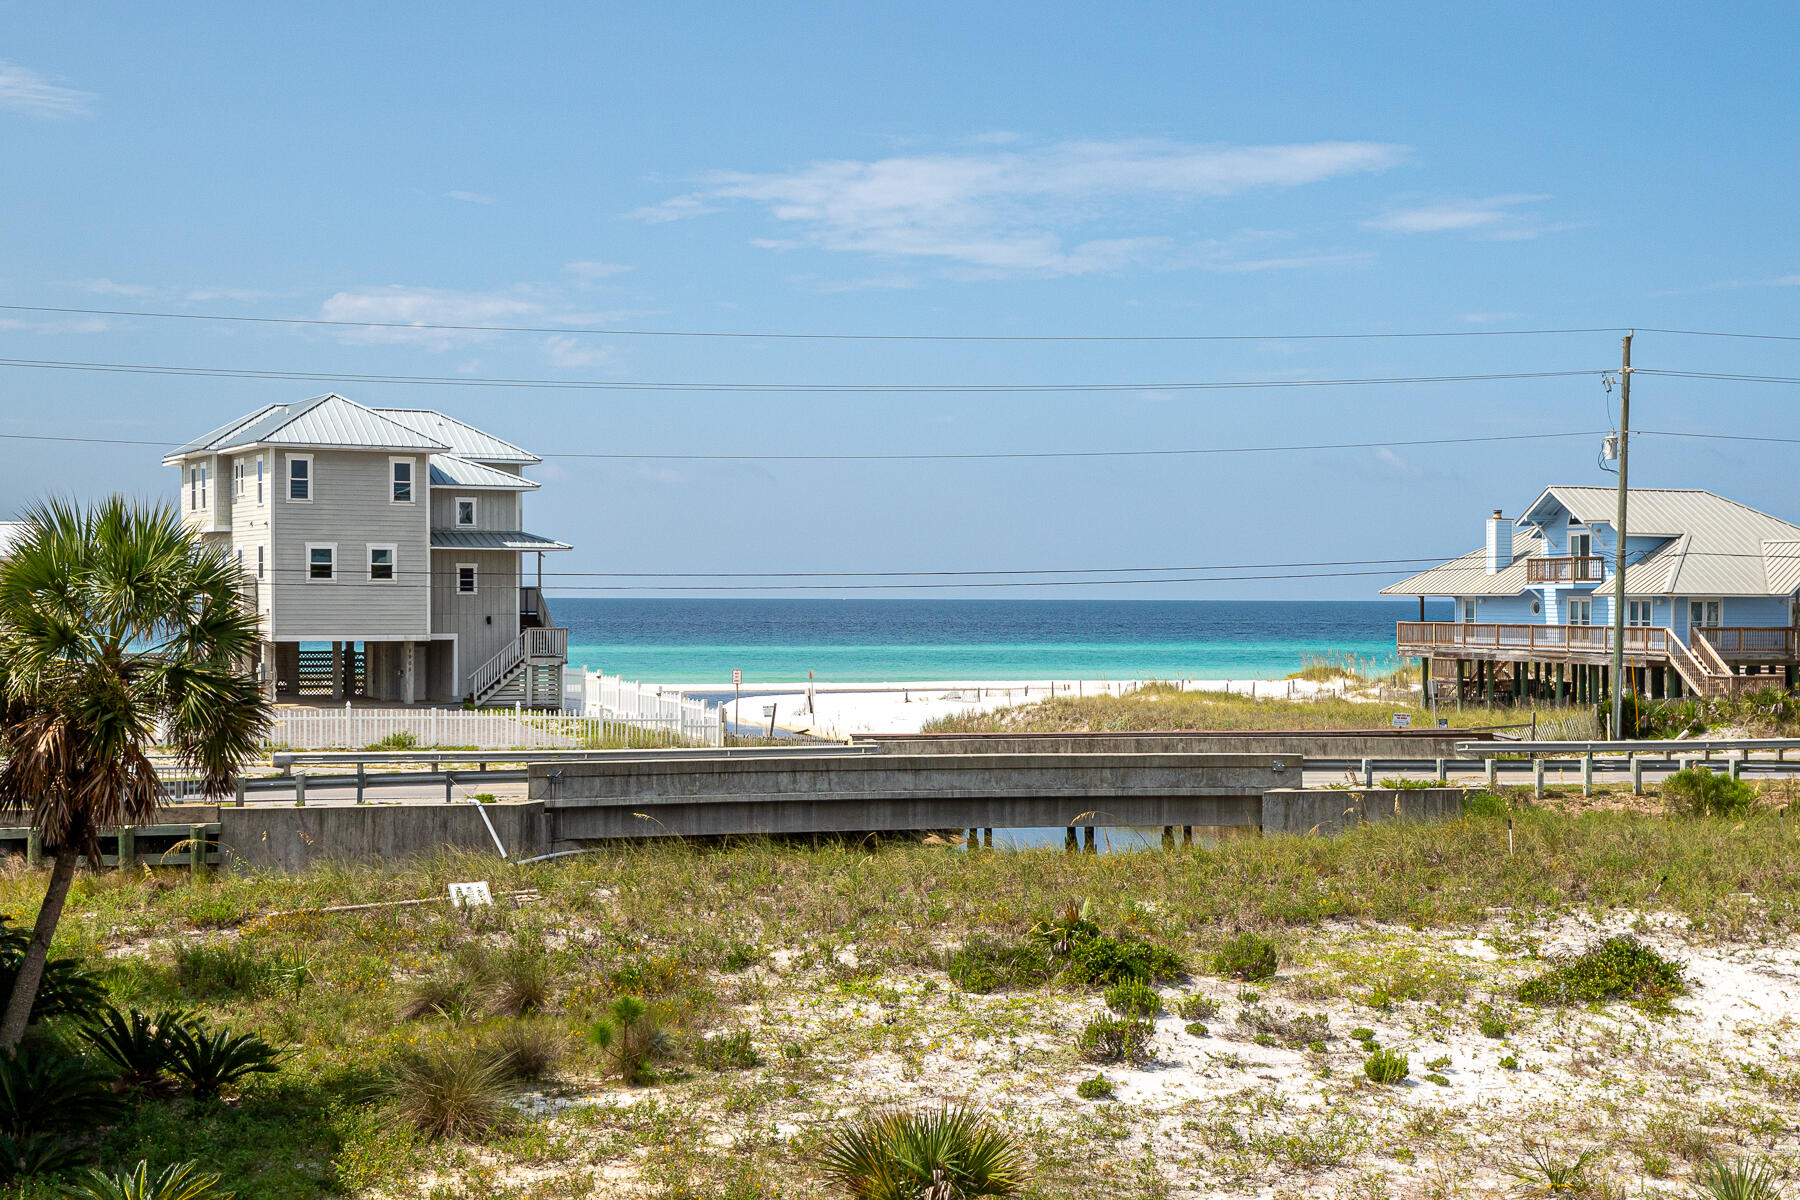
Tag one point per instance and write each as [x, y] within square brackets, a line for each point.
[588, 271]
[1489, 318]
[566, 350]
[63, 325]
[1014, 211]
[427, 306]
[471, 197]
[25, 91]
[109, 287]
[1495, 217]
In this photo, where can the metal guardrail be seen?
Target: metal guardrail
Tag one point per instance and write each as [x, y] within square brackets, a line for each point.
[1668, 747]
[285, 759]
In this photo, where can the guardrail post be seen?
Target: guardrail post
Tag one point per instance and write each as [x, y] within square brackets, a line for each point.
[127, 848]
[361, 781]
[197, 849]
[1368, 772]
[34, 848]
[299, 789]
[1490, 767]
[239, 790]
[1637, 774]
[1537, 777]
[1735, 767]
[449, 783]
[1587, 773]
[1443, 771]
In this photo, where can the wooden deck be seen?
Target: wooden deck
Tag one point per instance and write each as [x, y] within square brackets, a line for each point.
[1526, 642]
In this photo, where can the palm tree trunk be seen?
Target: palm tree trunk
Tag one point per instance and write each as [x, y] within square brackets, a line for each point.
[37, 952]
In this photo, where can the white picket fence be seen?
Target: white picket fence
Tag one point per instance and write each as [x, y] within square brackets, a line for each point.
[599, 696]
[485, 729]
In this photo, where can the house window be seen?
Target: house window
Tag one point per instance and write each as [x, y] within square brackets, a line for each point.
[381, 564]
[259, 479]
[202, 487]
[300, 477]
[259, 562]
[1704, 613]
[1581, 612]
[193, 489]
[1468, 612]
[401, 472]
[465, 578]
[1637, 612]
[321, 562]
[1581, 543]
[465, 510]
[237, 481]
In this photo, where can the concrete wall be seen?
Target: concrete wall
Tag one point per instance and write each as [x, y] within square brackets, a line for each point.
[1329, 811]
[290, 839]
[1349, 744]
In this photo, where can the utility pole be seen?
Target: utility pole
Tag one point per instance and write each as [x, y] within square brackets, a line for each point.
[1618, 654]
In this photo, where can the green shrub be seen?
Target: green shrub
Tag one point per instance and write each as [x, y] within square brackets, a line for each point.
[1492, 1024]
[1099, 961]
[447, 1091]
[1115, 1039]
[43, 1091]
[37, 1154]
[221, 972]
[1741, 1180]
[1386, 1066]
[741, 956]
[1698, 792]
[1097, 1088]
[1362, 1034]
[1484, 804]
[949, 1153]
[399, 740]
[631, 1039]
[66, 989]
[1438, 1079]
[1509, 1063]
[209, 1060]
[137, 1044]
[177, 1181]
[728, 1051]
[1618, 968]
[1133, 999]
[527, 1052]
[1197, 1008]
[989, 964]
[1195, 1028]
[1065, 929]
[1246, 956]
[1281, 1027]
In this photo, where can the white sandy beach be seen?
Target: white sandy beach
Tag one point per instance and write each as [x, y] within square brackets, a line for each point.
[848, 709]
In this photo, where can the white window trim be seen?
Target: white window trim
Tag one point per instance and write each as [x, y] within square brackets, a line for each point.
[1703, 601]
[456, 512]
[203, 503]
[412, 483]
[237, 479]
[259, 562]
[1587, 605]
[1645, 608]
[312, 479]
[259, 479]
[393, 561]
[335, 573]
[474, 579]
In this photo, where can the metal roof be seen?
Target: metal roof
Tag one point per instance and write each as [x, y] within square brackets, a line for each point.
[328, 421]
[492, 539]
[447, 470]
[1713, 547]
[462, 439]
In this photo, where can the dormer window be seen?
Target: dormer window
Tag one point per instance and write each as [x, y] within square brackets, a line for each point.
[1581, 542]
[465, 511]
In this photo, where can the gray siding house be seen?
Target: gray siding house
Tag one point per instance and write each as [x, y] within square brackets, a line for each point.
[383, 551]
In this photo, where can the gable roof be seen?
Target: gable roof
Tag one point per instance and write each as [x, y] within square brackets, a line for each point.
[1712, 547]
[460, 438]
[322, 421]
[447, 470]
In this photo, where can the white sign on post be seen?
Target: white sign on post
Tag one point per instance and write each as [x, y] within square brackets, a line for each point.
[471, 895]
[1402, 720]
[737, 677]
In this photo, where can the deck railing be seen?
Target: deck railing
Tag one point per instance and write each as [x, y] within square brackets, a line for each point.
[1579, 568]
[1750, 641]
[1559, 639]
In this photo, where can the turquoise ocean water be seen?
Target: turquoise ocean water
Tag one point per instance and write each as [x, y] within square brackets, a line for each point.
[867, 641]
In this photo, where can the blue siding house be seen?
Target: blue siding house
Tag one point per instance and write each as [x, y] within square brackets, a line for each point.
[1712, 599]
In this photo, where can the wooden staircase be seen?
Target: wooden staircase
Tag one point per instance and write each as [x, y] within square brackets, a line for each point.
[1701, 668]
[526, 673]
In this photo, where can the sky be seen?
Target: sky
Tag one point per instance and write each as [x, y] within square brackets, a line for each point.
[937, 171]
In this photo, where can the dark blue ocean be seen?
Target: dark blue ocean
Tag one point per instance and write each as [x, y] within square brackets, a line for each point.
[692, 641]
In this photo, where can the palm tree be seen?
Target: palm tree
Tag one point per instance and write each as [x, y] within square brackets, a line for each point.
[119, 631]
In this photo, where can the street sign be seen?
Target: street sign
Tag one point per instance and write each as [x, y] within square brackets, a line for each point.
[1402, 720]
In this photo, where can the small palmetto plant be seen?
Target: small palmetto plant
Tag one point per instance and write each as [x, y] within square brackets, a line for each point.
[1542, 1175]
[1066, 928]
[631, 1039]
[208, 1060]
[1741, 1180]
[942, 1154]
[139, 1044]
[177, 1181]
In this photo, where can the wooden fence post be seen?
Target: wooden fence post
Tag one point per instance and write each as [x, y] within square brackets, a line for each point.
[127, 856]
[197, 849]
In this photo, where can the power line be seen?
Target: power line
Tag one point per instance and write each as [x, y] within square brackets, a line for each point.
[1716, 375]
[829, 337]
[613, 385]
[1760, 337]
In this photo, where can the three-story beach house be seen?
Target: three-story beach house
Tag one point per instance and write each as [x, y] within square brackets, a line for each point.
[383, 551]
[1712, 599]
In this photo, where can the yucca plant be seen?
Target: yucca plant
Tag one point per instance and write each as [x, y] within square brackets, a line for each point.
[1541, 1175]
[1741, 1180]
[177, 1181]
[208, 1060]
[942, 1154]
[1067, 928]
[448, 1091]
[138, 1044]
[631, 1039]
